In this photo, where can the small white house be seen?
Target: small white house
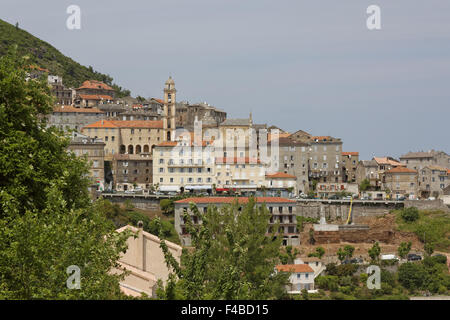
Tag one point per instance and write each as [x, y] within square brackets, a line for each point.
[302, 277]
[314, 262]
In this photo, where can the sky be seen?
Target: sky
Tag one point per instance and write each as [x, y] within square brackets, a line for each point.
[310, 65]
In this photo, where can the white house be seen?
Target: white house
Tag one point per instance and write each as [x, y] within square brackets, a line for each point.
[302, 277]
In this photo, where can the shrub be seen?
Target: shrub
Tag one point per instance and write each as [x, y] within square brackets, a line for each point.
[412, 275]
[410, 214]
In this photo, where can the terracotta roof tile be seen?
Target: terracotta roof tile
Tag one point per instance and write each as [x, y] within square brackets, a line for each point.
[241, 200]
[95, 97]
[94, 84]
[281, 175]
[294, 268]
[350, 153]
[401, 170]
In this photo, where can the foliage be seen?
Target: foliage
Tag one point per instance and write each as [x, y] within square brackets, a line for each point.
[289, 255]
[374, 252]
[47, 221]
[302, 220]
[345, 253]
[44, 55]
[365, 185]
[431, 227]
[410, 214]
[319, 252]
[412, 275]
[404, 249]
[167, 206]
[232, 257]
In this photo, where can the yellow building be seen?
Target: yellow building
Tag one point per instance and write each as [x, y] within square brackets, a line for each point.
[126, 136]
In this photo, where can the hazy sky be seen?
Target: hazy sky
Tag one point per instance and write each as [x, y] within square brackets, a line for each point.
[310, 65]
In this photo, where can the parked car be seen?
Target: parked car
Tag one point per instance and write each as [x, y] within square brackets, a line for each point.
[334, 197]
[414, 257]
[129, 191]
[159, 193]
[431, 198]
[401, 198]
[389, 257]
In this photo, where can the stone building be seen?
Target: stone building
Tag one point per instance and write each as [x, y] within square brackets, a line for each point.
[432, 181]
[283, 212]
[131, 171]
[70, 118]
[207, 114]
[368, 169]
[325, 163]
[401, 181]
[63, 95]
[418, 160]
[281, 183]
[293, 160]
[127, 137]
[92, 149]
[350, 162]
[92, 93]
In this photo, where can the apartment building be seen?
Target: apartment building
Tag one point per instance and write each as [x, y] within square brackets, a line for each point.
[325, 162]
[67, 117]
[63, 95]
[432, 181]
[350, 162]
[401, 181]
[368, 169]
[241, 174]
[293, 160]
[126, 137]
[131, 171]
[281, 183]
[179, 164]
[283, 212]
[92, 149]
[419, 160]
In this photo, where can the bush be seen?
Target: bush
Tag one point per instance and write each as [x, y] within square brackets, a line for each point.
[331, 269]
[412, 276]
[410, 214]
[327, 282]
[346, 269]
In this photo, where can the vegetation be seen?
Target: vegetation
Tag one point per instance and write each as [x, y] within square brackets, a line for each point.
[374, 252]
[47, 221]
[44, 55]
[404, 249]
[232, 257]
[302, 220]
[288, 256]
[319, 252]
[431, 227]
[409, 214]
[365, 185]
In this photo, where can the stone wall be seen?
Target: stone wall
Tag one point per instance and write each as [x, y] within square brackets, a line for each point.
[352, 236]
[339, 211]
[437, 204]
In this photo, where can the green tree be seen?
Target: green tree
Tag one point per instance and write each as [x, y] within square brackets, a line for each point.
[412, 276]
[319, 252]
[410, 214]
[429, 248]
[167, 206]
[374, 252]
[365, 185]
[232, 257]
[47, 221]
[404, 249]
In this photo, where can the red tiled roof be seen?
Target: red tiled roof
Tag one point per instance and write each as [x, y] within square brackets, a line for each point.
[401, 170]
[388, 161]
[350, 153]
[78, 110]
[320, 138]
[151, 124]
[230, 160]
[294, 268]
[94, 84]
[241, 200]
[95, 97]
[281, 175]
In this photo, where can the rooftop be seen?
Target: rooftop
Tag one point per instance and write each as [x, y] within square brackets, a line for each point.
[281, 175]
[94, 84]
[77, 110]
[150, 124]
[236, 122]
[401, 170]
[294, 268]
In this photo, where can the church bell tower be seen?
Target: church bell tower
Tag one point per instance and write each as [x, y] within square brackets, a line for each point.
[169, 110]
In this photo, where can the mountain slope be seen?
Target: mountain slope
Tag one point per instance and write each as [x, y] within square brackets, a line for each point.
[46, 56]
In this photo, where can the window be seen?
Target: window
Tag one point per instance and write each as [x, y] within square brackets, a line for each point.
[171, 179]
[112, 138]
[161, 180]
[161, 170]
[298, 275]
[106, 138]
[306, 275]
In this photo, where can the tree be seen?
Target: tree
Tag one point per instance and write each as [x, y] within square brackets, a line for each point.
[348, 250]
[429, 248]
[289, 256]
[404, 249]
[341, 254]
[167, 206]
[412, 276]
[374, 252]
[232, 257]
[319, 252]
[47, 221]
[410, 214]
[365, 185]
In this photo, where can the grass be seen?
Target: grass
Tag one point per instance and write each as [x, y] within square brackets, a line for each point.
[432, 226]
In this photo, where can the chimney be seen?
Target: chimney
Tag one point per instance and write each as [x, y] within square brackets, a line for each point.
[140, 254]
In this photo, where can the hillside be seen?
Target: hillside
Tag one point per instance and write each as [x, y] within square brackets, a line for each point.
[46, 56]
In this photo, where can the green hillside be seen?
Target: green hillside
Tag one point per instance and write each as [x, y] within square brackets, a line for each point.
[46, 56]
